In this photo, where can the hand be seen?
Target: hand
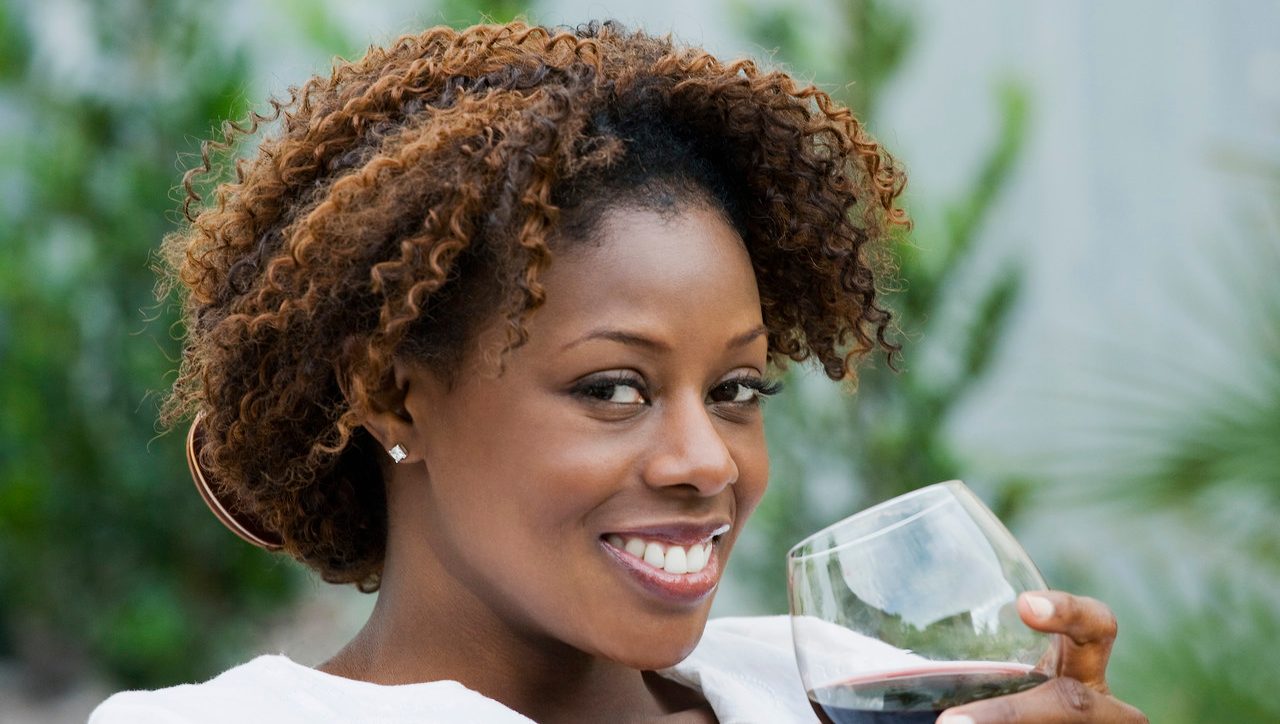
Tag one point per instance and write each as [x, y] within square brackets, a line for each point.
[1079, 693]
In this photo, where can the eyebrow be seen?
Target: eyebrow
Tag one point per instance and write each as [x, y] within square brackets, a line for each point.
[639, 340]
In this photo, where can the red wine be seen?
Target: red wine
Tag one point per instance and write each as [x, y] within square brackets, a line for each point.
[918, 695]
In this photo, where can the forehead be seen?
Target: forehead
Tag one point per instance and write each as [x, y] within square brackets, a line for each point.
[686, 271]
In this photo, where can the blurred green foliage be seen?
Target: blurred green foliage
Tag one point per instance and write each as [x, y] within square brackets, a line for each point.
[110, 562]
[461, 13]
[1177, 477]
[1191, 468]
[888, 438]
[109, 559]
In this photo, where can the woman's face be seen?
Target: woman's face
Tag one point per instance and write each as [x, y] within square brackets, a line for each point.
[590, 493]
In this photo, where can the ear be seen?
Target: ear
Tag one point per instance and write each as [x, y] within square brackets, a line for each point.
[387, 417]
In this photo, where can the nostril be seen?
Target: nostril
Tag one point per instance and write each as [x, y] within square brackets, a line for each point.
[690, 451]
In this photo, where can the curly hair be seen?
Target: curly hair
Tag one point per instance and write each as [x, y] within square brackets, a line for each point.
[422, 189]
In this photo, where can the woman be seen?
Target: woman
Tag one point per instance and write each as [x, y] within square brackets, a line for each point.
[487, 328]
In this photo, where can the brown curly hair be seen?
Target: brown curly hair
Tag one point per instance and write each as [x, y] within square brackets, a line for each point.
[424, 187]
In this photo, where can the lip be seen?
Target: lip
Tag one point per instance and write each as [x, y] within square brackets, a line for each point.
[679, 589]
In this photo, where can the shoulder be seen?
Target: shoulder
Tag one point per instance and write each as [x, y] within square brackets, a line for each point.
[746, 669]
[276, 690]
[239, 691]
[766, 631]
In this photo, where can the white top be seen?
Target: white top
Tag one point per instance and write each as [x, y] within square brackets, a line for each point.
[744, 667]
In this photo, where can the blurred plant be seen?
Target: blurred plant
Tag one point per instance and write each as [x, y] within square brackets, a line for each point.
[1163, 467]
[869, 40]
[1173, 462]
[833, 453]
[110, 561]
[461, 13]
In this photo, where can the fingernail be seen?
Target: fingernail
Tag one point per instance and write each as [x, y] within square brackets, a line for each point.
[955, 719]
[1040, 606]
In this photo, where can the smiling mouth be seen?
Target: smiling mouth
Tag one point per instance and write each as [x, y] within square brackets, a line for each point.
[665, 556]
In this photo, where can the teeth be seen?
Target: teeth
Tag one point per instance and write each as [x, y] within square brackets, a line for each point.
[697, 558]
[654, 555]
[676, 562]
[672, 559]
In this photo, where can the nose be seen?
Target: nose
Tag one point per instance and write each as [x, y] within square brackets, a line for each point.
[689, 451]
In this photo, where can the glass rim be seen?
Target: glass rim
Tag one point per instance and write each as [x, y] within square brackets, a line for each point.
[792, 555]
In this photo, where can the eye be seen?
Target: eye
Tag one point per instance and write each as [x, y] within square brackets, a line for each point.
[744, 391]
[735, 392]
[614, 389]
[620, 394]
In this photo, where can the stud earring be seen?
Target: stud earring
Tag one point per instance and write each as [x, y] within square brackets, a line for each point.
[397, 452]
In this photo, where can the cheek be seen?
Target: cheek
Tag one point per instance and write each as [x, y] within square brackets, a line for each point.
[532, 475]
[752, 457]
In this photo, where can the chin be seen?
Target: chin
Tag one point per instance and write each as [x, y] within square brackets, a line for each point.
[657, 647]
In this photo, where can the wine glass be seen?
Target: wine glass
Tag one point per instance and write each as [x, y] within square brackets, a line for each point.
[909, 607]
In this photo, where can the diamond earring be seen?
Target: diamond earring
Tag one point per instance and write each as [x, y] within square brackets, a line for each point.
[397, 452]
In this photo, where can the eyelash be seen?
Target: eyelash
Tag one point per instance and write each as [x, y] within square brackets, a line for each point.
[596, 387]
[764, 389]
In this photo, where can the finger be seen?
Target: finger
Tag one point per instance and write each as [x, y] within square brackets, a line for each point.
[1088, 627]
[1059, 700]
